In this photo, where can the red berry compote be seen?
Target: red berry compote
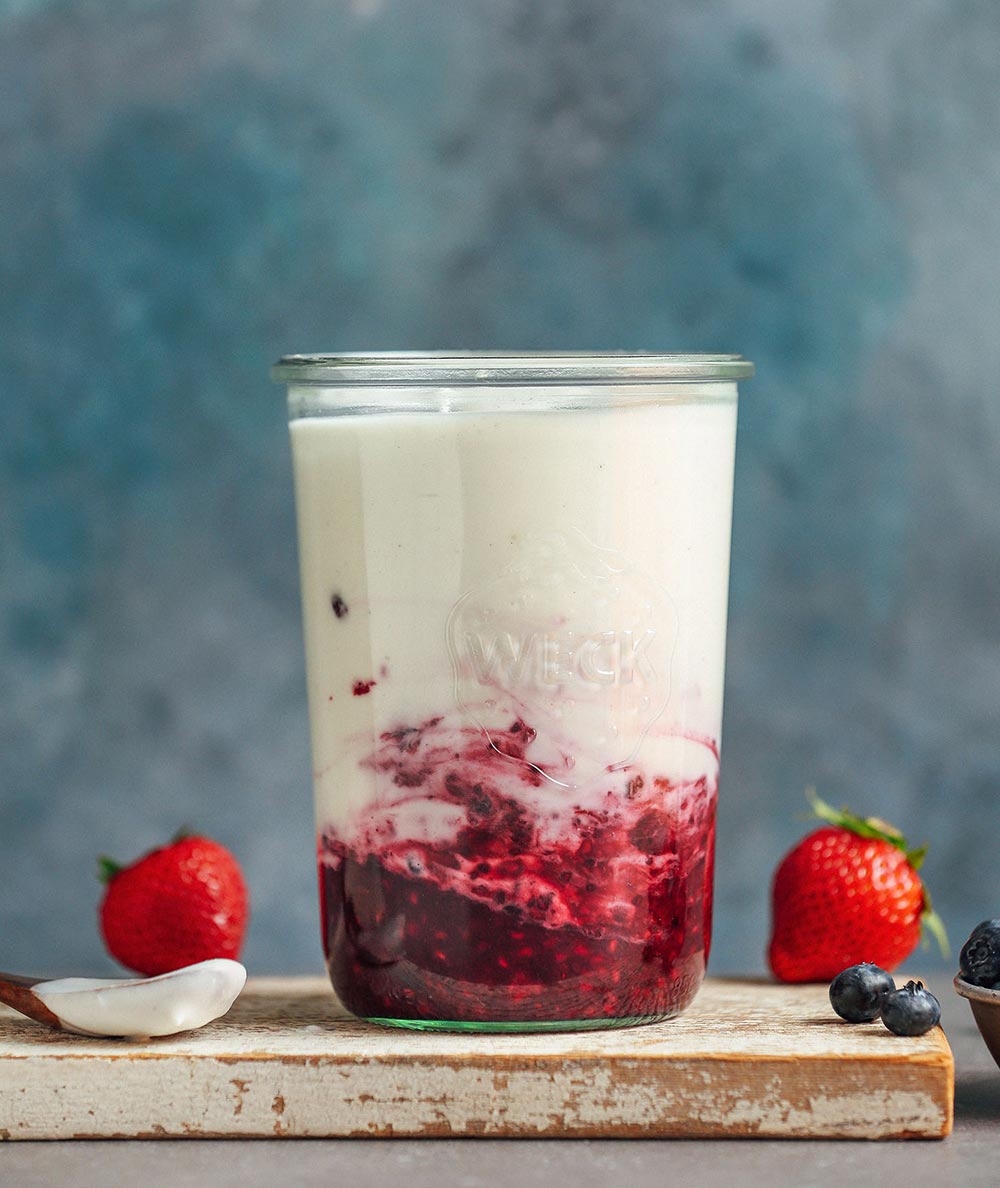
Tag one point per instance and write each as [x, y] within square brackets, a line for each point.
[458, 895]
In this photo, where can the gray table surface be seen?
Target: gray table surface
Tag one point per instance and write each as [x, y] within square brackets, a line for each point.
[970, 1157]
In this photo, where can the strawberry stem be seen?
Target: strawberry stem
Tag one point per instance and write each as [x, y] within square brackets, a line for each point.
[871, 827]
[916, 857]
[933, 923]
[107, 868]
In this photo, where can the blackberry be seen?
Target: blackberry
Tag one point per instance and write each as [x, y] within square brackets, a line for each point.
[980, 959]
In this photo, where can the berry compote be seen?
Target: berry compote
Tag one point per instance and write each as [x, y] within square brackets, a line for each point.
[476, 893]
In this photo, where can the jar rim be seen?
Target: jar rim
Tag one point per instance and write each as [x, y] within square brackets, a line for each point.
[545, 368]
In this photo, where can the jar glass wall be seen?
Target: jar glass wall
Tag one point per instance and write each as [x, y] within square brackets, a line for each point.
[514, 583]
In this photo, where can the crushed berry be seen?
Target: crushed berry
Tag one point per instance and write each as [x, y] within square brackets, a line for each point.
[634, 787]
[362, 687]
[409, 777]
[408, 737]
[339, 606]
[651, 832]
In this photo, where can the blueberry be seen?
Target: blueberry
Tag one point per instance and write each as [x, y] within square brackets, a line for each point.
[980, 960]
[911, 1011]
[856, 993]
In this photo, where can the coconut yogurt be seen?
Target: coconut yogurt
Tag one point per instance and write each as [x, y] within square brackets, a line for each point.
[182, 1000]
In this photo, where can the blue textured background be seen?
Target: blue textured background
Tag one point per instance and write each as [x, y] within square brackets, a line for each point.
[189, 188]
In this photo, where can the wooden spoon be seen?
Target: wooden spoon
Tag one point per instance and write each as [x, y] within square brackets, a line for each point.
[16, 992]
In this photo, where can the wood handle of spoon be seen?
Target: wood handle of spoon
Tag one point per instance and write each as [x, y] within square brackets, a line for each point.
[17, 992]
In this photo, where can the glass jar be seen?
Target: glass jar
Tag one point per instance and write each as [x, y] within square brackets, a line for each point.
[514, 582]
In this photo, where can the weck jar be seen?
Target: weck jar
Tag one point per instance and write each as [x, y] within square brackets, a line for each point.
[514, 585]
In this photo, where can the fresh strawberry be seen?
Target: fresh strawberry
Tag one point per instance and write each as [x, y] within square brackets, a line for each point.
[183, 903]
[847, 893]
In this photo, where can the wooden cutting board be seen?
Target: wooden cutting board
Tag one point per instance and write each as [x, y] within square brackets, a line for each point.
[747, 1059]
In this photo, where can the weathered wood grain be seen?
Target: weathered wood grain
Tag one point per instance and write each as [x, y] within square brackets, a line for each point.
[748, 1059]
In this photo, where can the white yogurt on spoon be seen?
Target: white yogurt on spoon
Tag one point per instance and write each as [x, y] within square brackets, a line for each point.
[181, 1000]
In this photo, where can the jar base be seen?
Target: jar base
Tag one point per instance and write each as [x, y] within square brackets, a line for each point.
[521, 1027]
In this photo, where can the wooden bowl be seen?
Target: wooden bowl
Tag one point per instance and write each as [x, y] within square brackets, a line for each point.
[985, 1010]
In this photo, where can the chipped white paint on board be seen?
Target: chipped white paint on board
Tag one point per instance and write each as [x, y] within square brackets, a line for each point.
[747, 1059]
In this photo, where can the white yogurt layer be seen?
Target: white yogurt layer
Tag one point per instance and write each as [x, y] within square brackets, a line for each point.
[182, 1000]
[566, 567]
